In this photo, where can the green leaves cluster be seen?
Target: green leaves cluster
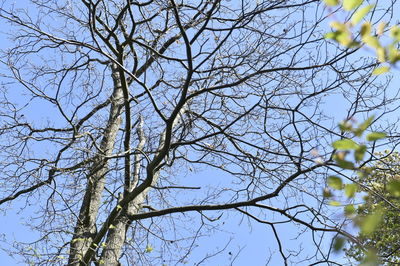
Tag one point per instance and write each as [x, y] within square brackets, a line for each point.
[382, 201]
[352, 34]
[347, 4]
[379, 214]
[346, 146]
[349, 155]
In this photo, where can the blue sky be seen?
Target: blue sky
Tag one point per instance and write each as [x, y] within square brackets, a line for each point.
[253, 241]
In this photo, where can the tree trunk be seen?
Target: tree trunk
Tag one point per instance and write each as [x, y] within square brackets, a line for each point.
[117, 233]
[85, 228]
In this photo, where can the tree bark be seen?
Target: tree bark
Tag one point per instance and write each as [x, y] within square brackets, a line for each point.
[117, 233]
[85, 228]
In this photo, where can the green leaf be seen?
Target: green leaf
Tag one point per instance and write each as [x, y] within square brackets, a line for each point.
[338, 243]
[380, 29]
[331, 2]
[349, 210]
[342, 37]
[371, 221]
[344, 164]
[380, 70]
[363, 126]
[335, 203]
[372, 41]
[331, 35]
[149, 248]
[327, 193]
[338, 26]
[335, 35]
[381, 54]
[394, 54]
[350, 190]
[360, 152]
[365, 29]
[345, 126]
[335, 182]
[345, 144]
[395, 32]
[394, 188]
[360, 14]
[351, 4]
[375, 136]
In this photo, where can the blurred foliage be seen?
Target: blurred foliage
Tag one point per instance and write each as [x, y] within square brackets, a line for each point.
[383, 198]
[359, 32]
[378, 214]
[370, 214]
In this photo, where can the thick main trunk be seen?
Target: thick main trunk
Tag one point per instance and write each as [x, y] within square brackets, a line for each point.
[117, 233]
[85, 227]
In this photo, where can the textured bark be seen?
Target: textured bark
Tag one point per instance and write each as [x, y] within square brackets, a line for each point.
[117, 233]
[85, 228]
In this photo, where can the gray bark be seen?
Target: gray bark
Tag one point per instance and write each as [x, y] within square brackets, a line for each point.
[85, 228]
[117, 233]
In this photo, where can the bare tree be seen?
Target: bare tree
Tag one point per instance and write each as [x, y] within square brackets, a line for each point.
[108, 107]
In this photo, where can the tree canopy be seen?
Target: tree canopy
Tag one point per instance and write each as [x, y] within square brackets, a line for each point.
[131, 130]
